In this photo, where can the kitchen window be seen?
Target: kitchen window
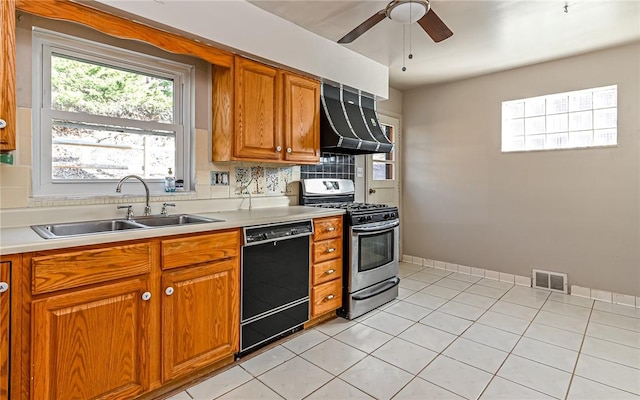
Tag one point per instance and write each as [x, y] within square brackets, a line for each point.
[101, 113]
[577, 119]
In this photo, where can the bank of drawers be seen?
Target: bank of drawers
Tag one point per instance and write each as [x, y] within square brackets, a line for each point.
[326, 269]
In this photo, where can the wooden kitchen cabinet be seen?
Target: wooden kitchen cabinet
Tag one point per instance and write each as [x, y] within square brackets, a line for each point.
[200, 303]
[275, 114]
[326, 268]
[7, 75]
[92, 343]
[5, 304]
[301, 119]
[200, 316]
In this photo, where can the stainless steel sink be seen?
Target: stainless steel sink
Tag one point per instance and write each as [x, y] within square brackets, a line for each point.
[172, 220]
[84, 228]
[67, 229]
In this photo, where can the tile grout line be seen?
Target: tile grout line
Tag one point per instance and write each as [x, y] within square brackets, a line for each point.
[575, 365]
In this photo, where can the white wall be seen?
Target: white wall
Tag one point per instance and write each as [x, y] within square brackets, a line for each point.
[573, 211]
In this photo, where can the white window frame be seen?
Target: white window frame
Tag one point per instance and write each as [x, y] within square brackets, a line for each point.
[506, 148]
[44, 43]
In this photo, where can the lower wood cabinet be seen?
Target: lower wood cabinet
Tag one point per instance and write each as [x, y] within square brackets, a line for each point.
[92, 343]
[200, 316]
[326, 268]
[5, 304]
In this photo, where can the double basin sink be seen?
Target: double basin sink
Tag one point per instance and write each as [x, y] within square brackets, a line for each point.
[52, 231]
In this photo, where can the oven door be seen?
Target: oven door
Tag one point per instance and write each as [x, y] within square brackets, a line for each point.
[374, 254]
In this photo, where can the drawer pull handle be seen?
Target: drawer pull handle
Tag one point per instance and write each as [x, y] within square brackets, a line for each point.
[4, 286]
[168, 291]
[331, 250]
[146, 296]
[330, 297]
[329, 272]
[331, 229]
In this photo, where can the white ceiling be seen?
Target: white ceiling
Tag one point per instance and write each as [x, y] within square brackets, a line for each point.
[488, 36]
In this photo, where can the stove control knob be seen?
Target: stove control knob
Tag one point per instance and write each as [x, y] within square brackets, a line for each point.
[361, 219]
[369, 218]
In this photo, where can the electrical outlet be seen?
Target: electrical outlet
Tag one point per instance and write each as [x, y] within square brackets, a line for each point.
[219, 178]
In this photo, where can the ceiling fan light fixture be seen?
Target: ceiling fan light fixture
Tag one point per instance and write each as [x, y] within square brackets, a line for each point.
[407, 12]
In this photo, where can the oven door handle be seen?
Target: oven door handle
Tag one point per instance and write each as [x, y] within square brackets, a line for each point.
[375, 227]
[391, 283]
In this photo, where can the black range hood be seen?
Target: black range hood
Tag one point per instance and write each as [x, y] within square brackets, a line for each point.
[349, 122]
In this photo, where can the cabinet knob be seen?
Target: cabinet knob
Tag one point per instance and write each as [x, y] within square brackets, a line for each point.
[329, 272]
[330, 297]
[3, 123]
[168, 291]
[4, 286]
[331, 229]
[146, 296]
[331, 250]
[289, 150]
[278, 149]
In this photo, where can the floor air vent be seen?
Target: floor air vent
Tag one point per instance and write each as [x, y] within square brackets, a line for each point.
[554, 281]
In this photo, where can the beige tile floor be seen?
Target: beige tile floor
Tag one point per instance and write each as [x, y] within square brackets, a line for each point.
[450, 336]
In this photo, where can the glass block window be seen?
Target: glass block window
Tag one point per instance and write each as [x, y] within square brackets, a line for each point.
[582, 118]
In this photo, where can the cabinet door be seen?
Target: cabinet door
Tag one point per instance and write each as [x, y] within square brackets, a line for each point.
[301, 119]
[4, 329]
[91, 344]
[257, 97]
[200, 316]
[7, 75]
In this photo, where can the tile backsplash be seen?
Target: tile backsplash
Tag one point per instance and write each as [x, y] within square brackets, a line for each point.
[332, 165]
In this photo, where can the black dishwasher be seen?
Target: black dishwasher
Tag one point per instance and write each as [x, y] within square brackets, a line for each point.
[275, 282]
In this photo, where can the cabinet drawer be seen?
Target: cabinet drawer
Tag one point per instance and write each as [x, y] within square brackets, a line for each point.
[327, 271]
[327, 250]
[327, 228]
[326, 297]
[70, 270]
[199, 249]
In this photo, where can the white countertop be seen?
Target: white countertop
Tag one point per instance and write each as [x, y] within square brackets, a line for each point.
[25, 239]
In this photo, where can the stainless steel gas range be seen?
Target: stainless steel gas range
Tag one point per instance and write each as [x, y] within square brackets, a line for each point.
[371, 237]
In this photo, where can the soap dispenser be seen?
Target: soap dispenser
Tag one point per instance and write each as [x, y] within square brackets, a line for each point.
[169, 182]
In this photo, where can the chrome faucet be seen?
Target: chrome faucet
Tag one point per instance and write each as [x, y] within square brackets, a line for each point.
[147, 209]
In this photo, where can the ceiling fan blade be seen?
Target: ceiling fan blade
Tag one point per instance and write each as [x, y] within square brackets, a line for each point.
[433, 25]
[363, 27]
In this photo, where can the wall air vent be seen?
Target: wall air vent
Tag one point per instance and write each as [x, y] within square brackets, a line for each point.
[554, 281]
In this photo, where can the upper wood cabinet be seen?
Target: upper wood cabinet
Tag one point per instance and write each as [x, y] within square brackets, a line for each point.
[301, 119]
[275, 114]
[7, 75]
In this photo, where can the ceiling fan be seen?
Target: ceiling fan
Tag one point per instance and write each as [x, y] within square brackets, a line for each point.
[406, 12]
